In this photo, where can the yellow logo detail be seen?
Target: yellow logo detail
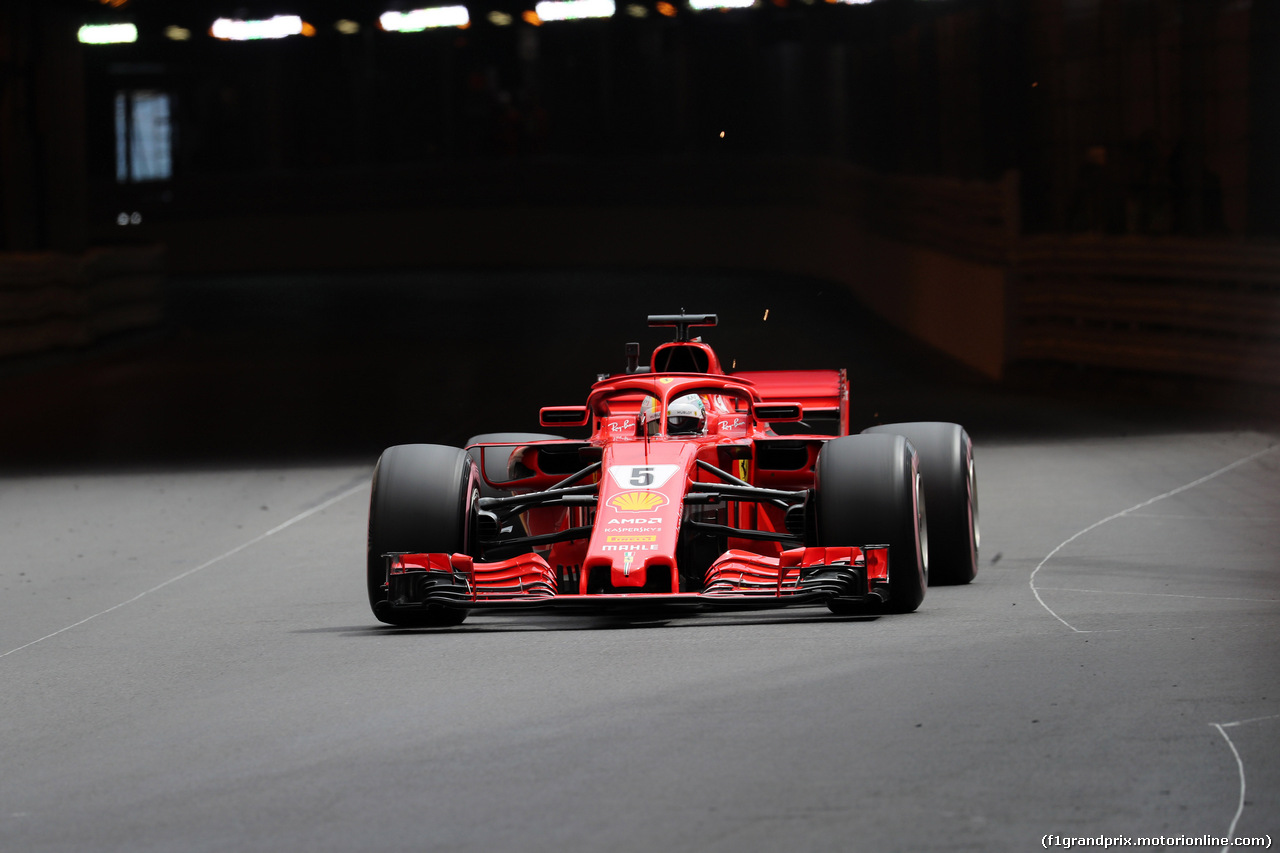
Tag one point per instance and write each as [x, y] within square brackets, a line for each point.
[631, 539]
[666, 380]
[637, 501]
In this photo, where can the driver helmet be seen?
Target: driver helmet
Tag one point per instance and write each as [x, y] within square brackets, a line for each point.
[648, 415]
[686, 415]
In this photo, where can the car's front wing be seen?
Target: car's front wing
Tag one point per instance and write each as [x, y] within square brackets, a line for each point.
[736, 580]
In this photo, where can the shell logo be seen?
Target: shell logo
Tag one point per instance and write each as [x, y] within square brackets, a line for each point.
[637, 501]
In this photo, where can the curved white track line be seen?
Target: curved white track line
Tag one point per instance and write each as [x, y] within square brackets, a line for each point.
[1206, 478]
[1231, 831]
[189, 572]
[1222, 730]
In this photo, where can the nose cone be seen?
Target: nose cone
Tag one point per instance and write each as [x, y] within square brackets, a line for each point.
[633, 545]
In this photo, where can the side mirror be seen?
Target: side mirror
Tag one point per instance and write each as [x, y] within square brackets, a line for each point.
[564, 416]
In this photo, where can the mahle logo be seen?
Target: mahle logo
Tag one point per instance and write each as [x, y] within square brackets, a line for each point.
[637, 501]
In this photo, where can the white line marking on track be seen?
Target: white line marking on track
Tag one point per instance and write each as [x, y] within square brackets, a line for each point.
[189, 572]
[1158, 594]
[1073, 537]
[1239, 766]
[1266, 518]
[1231, 831]
[1248, 721]
[1131, 628]
[1222, 730]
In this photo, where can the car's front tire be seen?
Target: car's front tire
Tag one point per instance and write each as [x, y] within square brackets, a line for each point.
[422, 502]
[867, 491]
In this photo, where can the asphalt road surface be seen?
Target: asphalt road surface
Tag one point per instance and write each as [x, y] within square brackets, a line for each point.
[189, 663]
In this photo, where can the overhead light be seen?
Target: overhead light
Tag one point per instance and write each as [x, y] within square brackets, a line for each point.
[107, 34]
[635, 10]
[232, 29]
[499, 19]
[417, 20]
[347, 27]
[704, 5]
[574, 10]
[176, 33]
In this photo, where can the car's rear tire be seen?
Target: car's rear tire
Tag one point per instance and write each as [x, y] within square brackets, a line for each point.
[951, 492]
[867, 491]
[422, 502]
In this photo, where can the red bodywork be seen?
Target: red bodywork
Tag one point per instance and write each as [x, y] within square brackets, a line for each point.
[633, 514]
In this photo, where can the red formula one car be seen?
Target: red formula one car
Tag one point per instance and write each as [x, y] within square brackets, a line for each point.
[697, 488]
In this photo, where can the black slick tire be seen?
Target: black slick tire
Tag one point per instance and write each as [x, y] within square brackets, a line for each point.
[951, 492]
[421, 502]
[867, 491]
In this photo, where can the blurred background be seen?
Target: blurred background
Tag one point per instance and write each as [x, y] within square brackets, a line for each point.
[232, 228]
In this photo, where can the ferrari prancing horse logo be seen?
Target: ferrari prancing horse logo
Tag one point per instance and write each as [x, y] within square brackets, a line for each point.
[637, 501]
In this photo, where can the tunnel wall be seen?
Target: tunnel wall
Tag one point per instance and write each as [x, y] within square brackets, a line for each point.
[940, 259]
[928, 255]
[67, 301]
[954, 304]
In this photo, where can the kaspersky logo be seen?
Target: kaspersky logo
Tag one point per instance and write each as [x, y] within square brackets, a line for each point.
[636, 501]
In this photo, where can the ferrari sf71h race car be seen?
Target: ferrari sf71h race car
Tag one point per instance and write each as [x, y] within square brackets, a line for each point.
[697, 488]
